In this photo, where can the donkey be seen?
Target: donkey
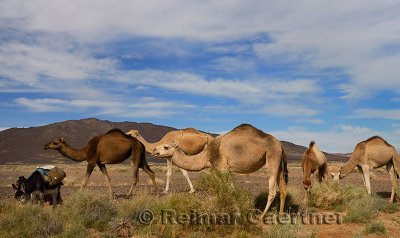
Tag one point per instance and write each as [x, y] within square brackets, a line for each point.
[35, 186]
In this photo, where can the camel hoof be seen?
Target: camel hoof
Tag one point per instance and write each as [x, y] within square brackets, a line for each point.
[192, 191]
[164, 192]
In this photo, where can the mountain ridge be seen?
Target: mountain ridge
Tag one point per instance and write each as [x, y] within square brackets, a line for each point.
[25, 145]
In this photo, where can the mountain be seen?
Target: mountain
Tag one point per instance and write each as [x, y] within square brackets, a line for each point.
[25, 145]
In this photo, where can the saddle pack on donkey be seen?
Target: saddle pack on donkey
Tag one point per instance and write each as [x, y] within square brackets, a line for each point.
[51, 174]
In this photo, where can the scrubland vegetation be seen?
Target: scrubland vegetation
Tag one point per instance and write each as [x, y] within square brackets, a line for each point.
[90, 213]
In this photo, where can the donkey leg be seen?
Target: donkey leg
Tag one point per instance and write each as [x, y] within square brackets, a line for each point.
[89, 170]
[103, 169]
[54, 197]
[390, 169]
[168, 175]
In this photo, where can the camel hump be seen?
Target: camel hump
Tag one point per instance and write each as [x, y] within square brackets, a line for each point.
[115, 130]
[312, 143]
[190, 130]
[377, 139]
[247, 128]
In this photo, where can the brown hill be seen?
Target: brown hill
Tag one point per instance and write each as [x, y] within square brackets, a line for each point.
[25, 145]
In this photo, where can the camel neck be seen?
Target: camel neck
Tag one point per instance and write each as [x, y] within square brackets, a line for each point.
[349, 166]
[73, 154]
[148, 146]
[191, 162]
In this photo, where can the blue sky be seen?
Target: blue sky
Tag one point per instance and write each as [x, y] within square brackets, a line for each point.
[301, 71]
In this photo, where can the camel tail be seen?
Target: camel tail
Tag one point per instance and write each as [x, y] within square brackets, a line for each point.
[285, 171]
[396, 165]
[312, 143]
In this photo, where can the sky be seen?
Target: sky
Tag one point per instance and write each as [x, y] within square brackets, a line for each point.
[300, 70]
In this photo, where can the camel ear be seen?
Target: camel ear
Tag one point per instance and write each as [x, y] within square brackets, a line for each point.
[61, 140]
[14, 187]
[175, 144]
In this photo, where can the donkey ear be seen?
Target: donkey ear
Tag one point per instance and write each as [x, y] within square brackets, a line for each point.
[14, 187]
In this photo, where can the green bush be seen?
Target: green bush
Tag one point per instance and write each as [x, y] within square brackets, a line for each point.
[219, 187]
[89, 210]
[26, 220]
[375, 227]
[334, 195]
[283, 231]
[364, 209]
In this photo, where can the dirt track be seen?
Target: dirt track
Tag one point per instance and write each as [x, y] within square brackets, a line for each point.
[256, 183]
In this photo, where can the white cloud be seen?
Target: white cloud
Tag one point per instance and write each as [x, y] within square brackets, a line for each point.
[340, 138]
[142, 107]
[287, 110]
[391, 114]
[242, 90]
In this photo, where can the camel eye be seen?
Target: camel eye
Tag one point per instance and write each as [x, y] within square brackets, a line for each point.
[166, 147]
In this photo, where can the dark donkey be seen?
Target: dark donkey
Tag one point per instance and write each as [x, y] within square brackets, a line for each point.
[35, 186]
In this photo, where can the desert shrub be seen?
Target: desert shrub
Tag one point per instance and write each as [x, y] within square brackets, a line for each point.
[291, 202]
[375, 227]
[334, 195]
[26, 220]
[218, 186]
[364, 209]
[88, 209]
[283, 231]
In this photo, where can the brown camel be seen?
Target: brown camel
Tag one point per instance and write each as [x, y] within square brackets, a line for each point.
[112, 147]
[243, 150]
[190, 140]
[313, 161]
[371, 154]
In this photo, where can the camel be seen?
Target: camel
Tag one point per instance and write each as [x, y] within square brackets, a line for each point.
[243, 150]
[313, 161]
[372, 153]
[190, 140]
[112, 147]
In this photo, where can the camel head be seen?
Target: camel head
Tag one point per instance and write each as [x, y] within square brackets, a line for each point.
[133, 133]
[165, 150]
[335, 172]
[54, 145]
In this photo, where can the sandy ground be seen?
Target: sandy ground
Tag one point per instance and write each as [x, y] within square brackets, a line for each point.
[255, 183]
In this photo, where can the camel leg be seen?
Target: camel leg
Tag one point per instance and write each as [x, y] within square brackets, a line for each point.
[362, 174]
[390, 169]
[135, 178]
[150, 172]
[365, 169]
[186, 175]
[282, 192]
[326, 176]
[169, 172]
[89, 170]
[103, 169]
[273, 168]
[271, 194]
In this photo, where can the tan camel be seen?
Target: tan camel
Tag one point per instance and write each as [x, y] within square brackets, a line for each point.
[112, 147]
[314, 161]
[190, 140]
[243, 150]
[371, 154]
